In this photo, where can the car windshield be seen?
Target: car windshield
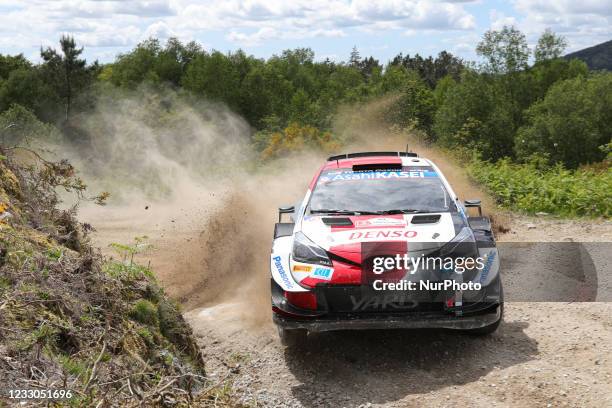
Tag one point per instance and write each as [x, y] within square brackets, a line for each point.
[408, 190]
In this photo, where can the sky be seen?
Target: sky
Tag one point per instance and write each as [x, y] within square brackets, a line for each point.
[381, 28]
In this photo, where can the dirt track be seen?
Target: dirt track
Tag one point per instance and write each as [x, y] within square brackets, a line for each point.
[544, 353]
[550, 354]
[212, 254]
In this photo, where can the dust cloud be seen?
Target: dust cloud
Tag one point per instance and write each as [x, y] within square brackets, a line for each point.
[184, 174]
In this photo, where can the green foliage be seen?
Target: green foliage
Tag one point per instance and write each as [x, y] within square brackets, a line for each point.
[226, 84]
[500, 113]
[550, 46]
[507, 109]
[126, 267]
[570, 123]
[429, 69]
[415, 106]
[73, 366]
[442, 88]
[476, 113]
[10, 63]
[20, 126]
[78, 322]
[531, 188]
[505, 50]
[294, 138]
[68, 74]
[607, 150]
[44, 335]
[27, 87]
[546, 73]
[145, 312]
[147, 336]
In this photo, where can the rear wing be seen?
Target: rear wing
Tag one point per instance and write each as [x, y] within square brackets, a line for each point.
[367, 154]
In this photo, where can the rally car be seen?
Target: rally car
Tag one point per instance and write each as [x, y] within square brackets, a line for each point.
[348, 258]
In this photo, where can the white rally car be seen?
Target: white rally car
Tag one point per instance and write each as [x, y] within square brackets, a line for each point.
[381, 240]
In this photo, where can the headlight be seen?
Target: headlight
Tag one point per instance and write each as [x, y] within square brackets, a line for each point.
[304, 250]
[463, 252]
[463, 244]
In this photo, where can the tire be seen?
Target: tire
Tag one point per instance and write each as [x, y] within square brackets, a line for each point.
[292, 337]
[487, 330]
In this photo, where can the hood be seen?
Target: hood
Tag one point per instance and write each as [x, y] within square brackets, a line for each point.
[345, 235]
[328, 232]
[353, 241]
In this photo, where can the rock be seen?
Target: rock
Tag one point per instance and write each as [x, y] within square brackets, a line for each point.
[5, 215]
[531, 226]
[541, 214]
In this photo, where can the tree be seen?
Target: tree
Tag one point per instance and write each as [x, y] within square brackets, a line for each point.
[506, 51]
[368, 66]
[355, 58]
[303, 110]
[26, 88]
[476, 113]
[10, 63]
[136, 66]
[571, 123]
[431, 70]
[395, 77]
[215, 77]
[442, 88]
[550, 46]
[66, 71]
[19, 126]
[294, 138]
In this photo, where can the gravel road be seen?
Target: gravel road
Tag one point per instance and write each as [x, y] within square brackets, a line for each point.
[545, 354]
[211, 254]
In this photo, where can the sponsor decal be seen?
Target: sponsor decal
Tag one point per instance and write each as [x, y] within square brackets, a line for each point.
[382, 233]
[382, 302]
[323, 273]
[380, 222]
[302, 268]
[487, 267]
[281, 271]
[376, 175]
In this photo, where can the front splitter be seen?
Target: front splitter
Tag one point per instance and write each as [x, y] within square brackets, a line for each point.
[391, 322]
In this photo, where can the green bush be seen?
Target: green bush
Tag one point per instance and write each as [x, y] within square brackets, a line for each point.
[554, 190]
[570, 123]
[476, 113]
[144, 312]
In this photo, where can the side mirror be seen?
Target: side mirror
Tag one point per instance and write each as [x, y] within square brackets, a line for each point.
[474, 204]
[285, 210]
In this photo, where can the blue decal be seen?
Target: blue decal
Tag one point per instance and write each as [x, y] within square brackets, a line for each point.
[487, 267]
[322, 273]
[281, 271]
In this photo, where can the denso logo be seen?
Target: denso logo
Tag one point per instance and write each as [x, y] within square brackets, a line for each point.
[387, 233]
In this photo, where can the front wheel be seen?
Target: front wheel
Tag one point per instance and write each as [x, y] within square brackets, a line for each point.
[292, 337]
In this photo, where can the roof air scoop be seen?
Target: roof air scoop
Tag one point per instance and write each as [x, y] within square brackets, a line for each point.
[377, 166]
[425, 219]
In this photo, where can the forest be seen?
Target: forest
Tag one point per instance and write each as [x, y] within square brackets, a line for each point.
[534, 126]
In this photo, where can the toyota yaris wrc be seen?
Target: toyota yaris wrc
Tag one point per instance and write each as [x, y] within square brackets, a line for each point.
[381, 241]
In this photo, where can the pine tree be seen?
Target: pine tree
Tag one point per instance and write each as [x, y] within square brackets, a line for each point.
[66, 71]
[355, 58]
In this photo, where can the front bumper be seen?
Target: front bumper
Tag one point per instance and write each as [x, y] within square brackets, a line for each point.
[408, 321]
